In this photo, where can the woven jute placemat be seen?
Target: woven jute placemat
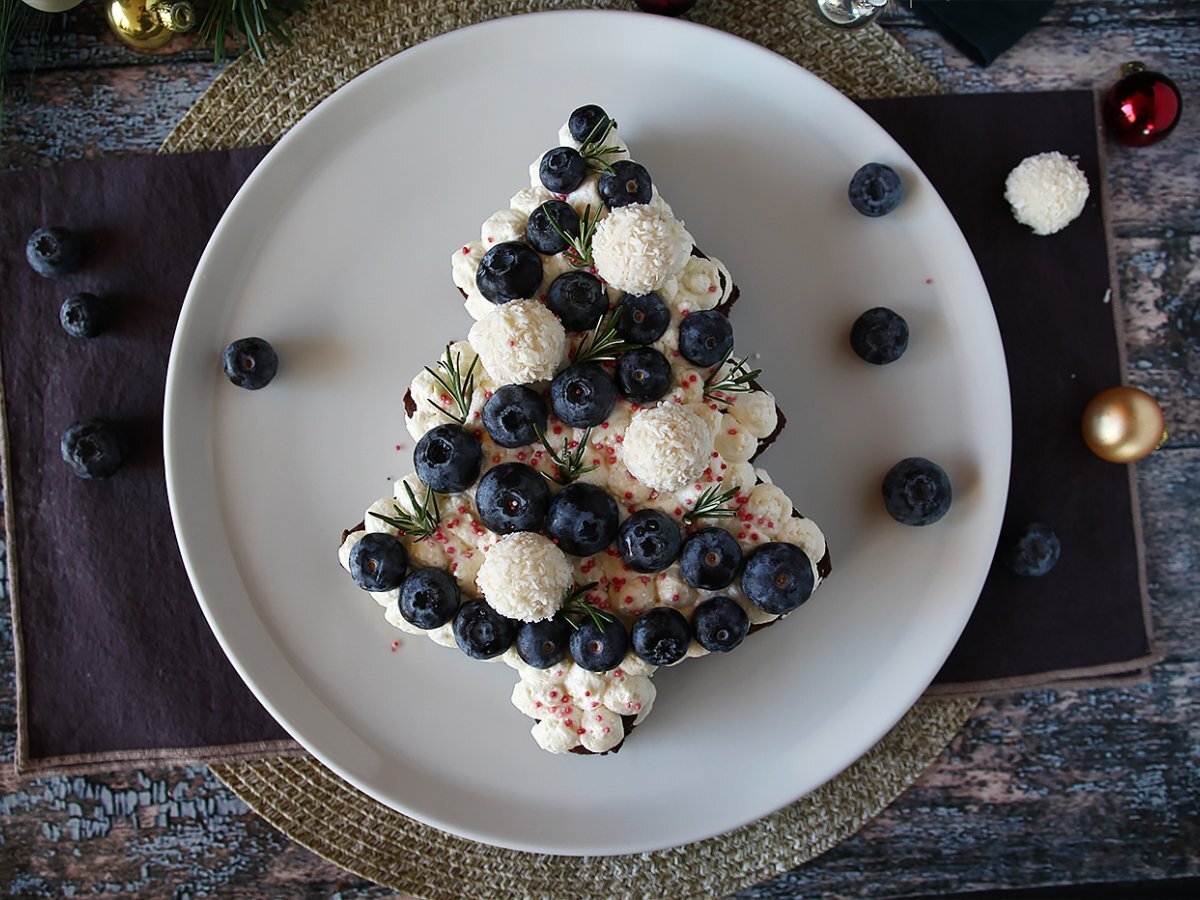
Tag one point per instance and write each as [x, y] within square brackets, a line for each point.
[255, 104]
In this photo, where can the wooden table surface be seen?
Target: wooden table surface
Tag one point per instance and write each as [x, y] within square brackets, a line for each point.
[1040, 788]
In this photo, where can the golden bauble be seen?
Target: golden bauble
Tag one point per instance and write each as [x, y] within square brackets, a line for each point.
[149, 24]
[1123, 424]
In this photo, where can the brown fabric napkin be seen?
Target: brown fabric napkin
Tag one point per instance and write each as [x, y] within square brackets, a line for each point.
[116, 664]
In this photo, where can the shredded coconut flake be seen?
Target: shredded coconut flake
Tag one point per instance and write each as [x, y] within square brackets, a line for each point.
[519, 342]
[525, 576]
[636, 248]
[1047, 192]
[667, 447]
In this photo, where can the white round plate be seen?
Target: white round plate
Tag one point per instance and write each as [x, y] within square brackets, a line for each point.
[337, 250]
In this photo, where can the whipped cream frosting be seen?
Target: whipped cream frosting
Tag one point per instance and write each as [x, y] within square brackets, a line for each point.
[662, 457]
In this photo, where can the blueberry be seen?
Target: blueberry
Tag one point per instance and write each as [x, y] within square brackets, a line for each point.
[649, 541]
[719, 624]
[94, 448]
[879, 336]
[54, 251]
[84, 315]
[661, 636]
[578, 299]
[562, 170]
[583, 395]
[540, 230]
[710, 559]
[916, 491]
[627, 183]
[448, 458]
[643, 318]
[481, 632]
[705, 337]
[512, 497]
[543, 644]
[875, 190]
[508, 271]
[643, 375]
[428, 598]
[514, 414]
[599, 649]
[778, 577]
[588, 122]
[1030, 550]
[250, 363]
[582, 519]
[378, 562]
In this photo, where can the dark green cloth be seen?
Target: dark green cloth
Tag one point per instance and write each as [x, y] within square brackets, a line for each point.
[982, 29]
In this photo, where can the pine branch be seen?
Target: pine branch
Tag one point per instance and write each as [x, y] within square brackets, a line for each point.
[261, 23]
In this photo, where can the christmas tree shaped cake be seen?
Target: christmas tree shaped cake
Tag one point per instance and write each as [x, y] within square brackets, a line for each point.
[585, 506]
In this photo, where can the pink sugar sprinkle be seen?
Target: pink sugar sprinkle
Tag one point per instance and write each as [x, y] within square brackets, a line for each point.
[712, 288]
[537, 704]
[491, 240]
[558, 674]
[587, 693]
[558, 429]
[581, 731]
[554, 693]
[628, 599]
[466, 250]
[395, 644]
[399, 446]
[599, 718]
[733, 431]
[629, 495]
[570, 724]
[607, 730]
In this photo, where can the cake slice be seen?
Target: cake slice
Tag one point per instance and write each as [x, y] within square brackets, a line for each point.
[585, 507]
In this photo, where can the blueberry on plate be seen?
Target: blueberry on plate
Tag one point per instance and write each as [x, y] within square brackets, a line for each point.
[879, 336]
[627, 182]
[588, 123]
[94, 448]
[778, 577]
[583, 395]
[562, 170]
[1030, 550]
[719, 624]
[512, 497]
[448, 458]
[378, 562]
[916, 491]
[582, 519]
[649, 541]
[661, 636]
[599, 649]
[250, 363]
[481, 632]
[705, 337]
[643, 318]
[54, 251]
[578, 299]
[540, 230]
[84, 315]
[514, 414]
[509, 271]
[543, 644]
[710, 559]
[875, 190]
[643, 375]
[428, 598]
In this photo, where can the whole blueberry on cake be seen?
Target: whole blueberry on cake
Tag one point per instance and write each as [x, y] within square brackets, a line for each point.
[584, 477]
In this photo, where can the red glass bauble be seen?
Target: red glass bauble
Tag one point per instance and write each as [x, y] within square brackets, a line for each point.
[666, 7]
[1143, 107]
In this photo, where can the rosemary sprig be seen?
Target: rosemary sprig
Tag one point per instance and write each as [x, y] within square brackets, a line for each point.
[575, 603]
[419, 524]
[711, 505]
[579, 246]
[569, 462]
[460, 386]
[594, 150]
[603, 342]
[730, 376]
[263, 23]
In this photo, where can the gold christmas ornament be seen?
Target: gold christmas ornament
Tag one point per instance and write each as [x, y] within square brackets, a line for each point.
[149, 24]
[1123, 424]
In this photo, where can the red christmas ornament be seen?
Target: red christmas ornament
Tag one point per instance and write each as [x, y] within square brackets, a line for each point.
[1143, 107]
[666, 7]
